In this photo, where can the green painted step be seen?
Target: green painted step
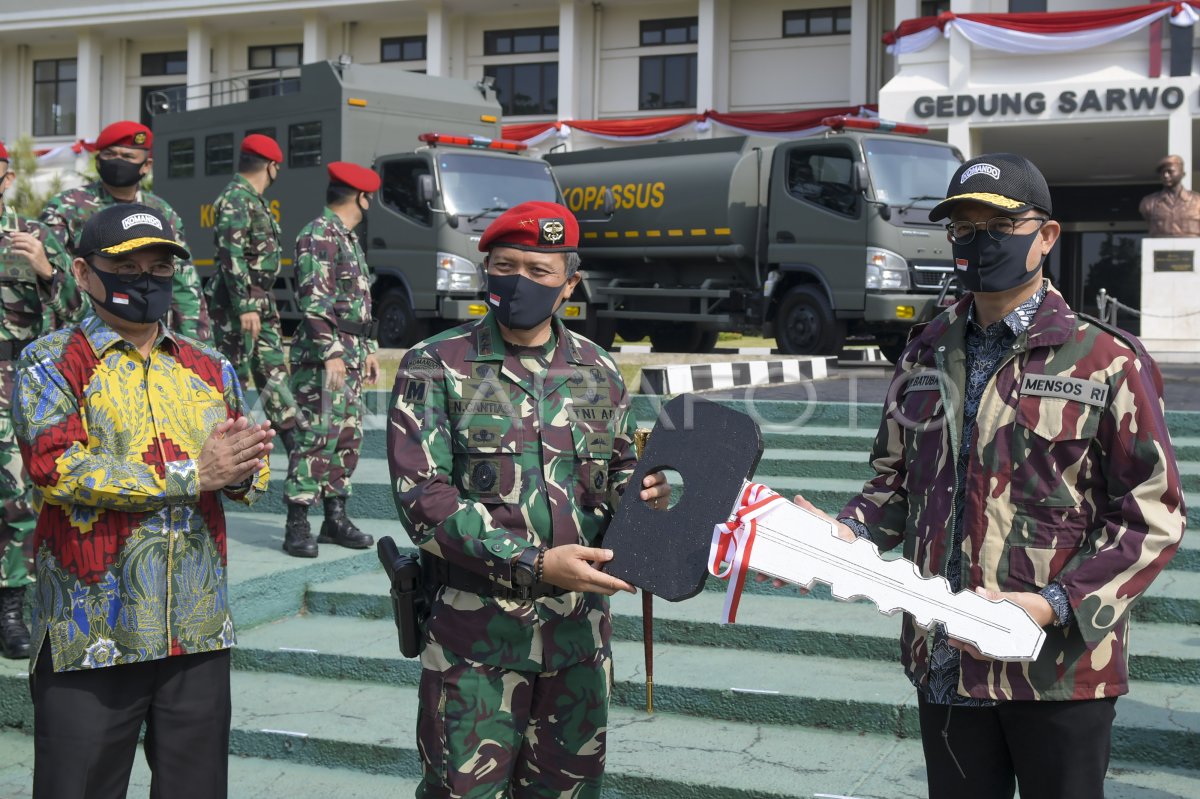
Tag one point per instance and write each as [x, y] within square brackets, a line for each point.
[1158, 724]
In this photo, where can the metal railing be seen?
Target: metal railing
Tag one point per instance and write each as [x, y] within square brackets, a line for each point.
[224, 91]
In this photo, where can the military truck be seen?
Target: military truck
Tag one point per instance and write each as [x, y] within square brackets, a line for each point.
[433, 140]
[810, 240]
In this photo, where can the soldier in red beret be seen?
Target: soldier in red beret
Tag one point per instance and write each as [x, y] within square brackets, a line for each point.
[510, 444]
[123, 160]
[332, 356]
[246, 321]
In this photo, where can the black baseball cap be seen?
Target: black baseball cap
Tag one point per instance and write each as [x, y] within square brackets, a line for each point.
[1005, 181]
[127, 227]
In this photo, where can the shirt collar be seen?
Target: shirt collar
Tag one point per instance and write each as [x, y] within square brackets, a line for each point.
[335, 220]
[102, 337]
[1020, 318]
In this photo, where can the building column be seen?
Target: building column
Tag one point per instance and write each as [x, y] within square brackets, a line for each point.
[199, 64]
[9, 89]
[87, 86]
[437, 41]
[1179, 141]
[706, 60]
[316, 38]
[568, 59]
[905, 9]
[860, 30]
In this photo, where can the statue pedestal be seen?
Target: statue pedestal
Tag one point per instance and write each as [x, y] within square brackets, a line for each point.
[1170, 291]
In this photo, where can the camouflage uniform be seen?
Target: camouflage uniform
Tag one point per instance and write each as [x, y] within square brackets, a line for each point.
[26, 299]
[246, 238]
[1072, 480]
[493, 450]
[65, 215]
[332, 287]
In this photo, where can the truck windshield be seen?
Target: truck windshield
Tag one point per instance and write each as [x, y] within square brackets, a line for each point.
[904, 172]
[474, 185]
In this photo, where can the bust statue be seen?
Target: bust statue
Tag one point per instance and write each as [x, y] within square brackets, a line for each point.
[1174, 211]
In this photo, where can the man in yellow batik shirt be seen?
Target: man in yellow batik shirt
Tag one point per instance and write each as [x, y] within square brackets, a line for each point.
[130, 434]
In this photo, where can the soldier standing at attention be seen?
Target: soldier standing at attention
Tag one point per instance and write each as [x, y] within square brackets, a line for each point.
[35, 278]
[1023, 454]
[241, 303]
[510, 444]
[123, 159]
[332, 356]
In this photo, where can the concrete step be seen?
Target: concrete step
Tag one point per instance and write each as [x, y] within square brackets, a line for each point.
[782, 622]
[1157, 724]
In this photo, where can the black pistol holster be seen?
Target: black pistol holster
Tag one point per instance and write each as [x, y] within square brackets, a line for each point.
[410, 595]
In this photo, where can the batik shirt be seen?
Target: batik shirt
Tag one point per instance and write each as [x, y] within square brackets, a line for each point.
[130, 553]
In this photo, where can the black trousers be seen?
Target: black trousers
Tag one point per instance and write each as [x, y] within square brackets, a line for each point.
[1052, 750]
[86, 726]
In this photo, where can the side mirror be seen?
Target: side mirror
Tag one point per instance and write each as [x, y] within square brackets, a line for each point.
[425, 188]
[610, 203]
[858, 176]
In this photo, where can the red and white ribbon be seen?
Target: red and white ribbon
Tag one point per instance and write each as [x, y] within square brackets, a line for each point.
[729, 552]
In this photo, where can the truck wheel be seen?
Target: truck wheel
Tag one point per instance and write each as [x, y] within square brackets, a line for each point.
[632, 330]
[892, 347]
[707, 342]
[398, 326]
[599, 331]
[806, 326]
[675, 337]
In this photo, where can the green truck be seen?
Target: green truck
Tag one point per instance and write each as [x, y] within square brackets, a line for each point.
[434, 142]
[810, 240]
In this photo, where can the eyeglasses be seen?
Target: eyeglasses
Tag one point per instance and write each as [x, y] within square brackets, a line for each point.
[998, 227]
[129, 272]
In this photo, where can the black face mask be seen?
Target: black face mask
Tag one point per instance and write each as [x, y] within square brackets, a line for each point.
[119, 172]
[521, 303]
[989, 265]
[271, 180]
[146, 299]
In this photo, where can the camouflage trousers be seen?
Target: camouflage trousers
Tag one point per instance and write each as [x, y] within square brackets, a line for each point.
[17, 521]
[326, 453]
[484, 731]
[262, 359]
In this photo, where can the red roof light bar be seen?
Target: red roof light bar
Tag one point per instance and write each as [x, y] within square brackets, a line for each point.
[481, 142]
[841, 122]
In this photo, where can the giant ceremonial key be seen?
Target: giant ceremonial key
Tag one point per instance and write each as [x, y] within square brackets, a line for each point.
[715, 449]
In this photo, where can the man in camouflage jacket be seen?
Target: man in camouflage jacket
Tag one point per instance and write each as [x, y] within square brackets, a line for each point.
[241, 302]
[35, 285]
[332, 356]
[1023, 454]
[123, 159]
[510, 445]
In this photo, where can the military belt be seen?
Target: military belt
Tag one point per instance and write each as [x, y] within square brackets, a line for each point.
[11, 350]
[465, 580]
[364, 329]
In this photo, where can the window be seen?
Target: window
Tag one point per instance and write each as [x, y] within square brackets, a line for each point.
[162, 100]
[933, 8]
[173, 63]
[54, 97]
[667, 81]
[817, 22]
[823, 178]
[526, 88]
[181, 158]
[218, 154]
[276, 56]
[681, 30]
[402, 48]
[272, 87]
[304, 144]
[521, 40]
[401, 188]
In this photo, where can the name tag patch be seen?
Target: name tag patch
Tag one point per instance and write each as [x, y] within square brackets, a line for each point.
[1088, 392]
[922, 381]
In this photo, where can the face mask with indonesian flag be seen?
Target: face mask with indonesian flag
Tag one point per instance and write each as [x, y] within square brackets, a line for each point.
[521, 303]
[143, 300]
[989, 265]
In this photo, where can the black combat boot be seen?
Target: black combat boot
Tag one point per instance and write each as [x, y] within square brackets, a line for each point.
[297, 535]
[338, 529]
[14, 635]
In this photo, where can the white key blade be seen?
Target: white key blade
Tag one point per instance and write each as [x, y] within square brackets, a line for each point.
[799, 547]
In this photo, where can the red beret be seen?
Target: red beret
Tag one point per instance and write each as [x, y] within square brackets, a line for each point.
[354, 176]
[3, 152]
[263, 146]
[539, 226]
[124, 134]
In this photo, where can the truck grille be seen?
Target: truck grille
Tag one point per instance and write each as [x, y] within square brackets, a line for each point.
[930, 277]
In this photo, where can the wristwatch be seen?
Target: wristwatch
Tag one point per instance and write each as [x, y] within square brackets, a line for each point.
[524, 568]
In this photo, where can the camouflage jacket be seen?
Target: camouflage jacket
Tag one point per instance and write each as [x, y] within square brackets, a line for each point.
[67, 212]
[130, 553]
[1072, 479]
[25, 296]
[246, 238]
[332, 283]
[489, 458]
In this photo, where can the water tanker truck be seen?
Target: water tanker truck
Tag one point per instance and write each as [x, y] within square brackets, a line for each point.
[810, 240]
